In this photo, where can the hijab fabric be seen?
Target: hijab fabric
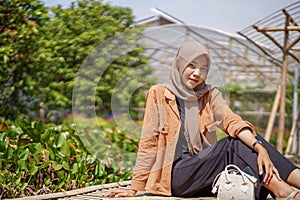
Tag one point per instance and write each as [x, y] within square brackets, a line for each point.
[192, 97]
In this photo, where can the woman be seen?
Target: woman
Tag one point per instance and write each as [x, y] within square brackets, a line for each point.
[179, 154]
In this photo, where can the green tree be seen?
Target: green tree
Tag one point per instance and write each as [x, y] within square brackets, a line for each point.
[20, 23]
[72, 34]
[41, 55]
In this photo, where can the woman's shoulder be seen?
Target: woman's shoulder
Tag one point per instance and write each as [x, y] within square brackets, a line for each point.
[156, 90]
[157, 87]
[161, 90]
[214, 92]
[216, 97]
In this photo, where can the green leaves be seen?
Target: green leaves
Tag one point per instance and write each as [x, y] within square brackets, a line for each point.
[41, 55]
[56, 159]
[20, 32]
[70, 36]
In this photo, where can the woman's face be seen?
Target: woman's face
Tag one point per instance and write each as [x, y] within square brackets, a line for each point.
[195, 73]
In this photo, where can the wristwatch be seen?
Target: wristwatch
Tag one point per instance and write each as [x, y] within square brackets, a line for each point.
[255, 143]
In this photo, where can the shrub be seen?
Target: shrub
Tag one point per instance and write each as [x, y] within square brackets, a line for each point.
[38, 158]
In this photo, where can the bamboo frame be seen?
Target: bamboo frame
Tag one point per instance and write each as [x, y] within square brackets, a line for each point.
[273, 31]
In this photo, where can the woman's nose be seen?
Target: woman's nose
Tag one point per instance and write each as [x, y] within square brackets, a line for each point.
[197, 72]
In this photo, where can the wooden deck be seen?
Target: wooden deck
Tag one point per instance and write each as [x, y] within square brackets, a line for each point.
[96, 192]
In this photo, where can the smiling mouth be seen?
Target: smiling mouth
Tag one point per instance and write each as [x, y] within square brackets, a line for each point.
[193, 80]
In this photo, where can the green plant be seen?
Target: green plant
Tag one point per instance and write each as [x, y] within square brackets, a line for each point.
[37, 158]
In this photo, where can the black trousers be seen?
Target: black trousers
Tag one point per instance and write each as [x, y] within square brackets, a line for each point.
[193, 176]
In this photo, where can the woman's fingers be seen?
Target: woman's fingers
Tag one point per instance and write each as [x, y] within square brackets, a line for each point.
[277, 174]
[269, 174]
[260, 168]
[109, 193]
[123, 194]
[112, 193]
[119, 193]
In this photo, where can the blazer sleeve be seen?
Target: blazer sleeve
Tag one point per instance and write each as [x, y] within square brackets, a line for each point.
[229, 122]
[148, 142]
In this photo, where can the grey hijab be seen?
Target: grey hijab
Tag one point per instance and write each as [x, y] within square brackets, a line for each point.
[192, 97]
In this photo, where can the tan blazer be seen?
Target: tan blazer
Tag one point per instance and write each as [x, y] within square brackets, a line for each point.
[161, 130]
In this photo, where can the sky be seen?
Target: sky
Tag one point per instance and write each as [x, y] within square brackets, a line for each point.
[227, 15]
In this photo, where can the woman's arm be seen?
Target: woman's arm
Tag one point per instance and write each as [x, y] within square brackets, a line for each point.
[227, 120]
[147, 148]
[235, 126]
[148, 140]
[263, 161]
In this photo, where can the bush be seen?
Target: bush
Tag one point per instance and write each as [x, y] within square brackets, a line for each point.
[38, 158]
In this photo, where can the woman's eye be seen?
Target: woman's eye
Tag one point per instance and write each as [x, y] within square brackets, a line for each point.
[192, 66]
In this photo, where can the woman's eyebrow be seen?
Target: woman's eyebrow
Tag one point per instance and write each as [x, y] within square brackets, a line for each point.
[195, 63]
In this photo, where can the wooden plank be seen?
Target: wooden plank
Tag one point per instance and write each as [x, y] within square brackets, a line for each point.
[75, 192]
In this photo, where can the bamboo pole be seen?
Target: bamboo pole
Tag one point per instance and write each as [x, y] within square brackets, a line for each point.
[280, 28]
[273, 114]
[292, 133]
[281, 124]
[298, 153]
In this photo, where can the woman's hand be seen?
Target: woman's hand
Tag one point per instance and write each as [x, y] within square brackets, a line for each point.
[120, 192]
[263, 160]
[264, 163]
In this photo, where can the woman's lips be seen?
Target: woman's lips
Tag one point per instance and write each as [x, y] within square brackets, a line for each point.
[193, 80]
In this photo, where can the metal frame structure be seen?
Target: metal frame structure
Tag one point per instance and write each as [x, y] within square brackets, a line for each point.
[236, 60]
[278, 36]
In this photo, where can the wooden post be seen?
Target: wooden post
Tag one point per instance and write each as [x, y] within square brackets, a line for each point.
[292, 133]
[273, 114]
[281, 124]
[298, 153]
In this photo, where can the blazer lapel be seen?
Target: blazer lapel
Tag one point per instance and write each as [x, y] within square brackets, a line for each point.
[172, 101]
